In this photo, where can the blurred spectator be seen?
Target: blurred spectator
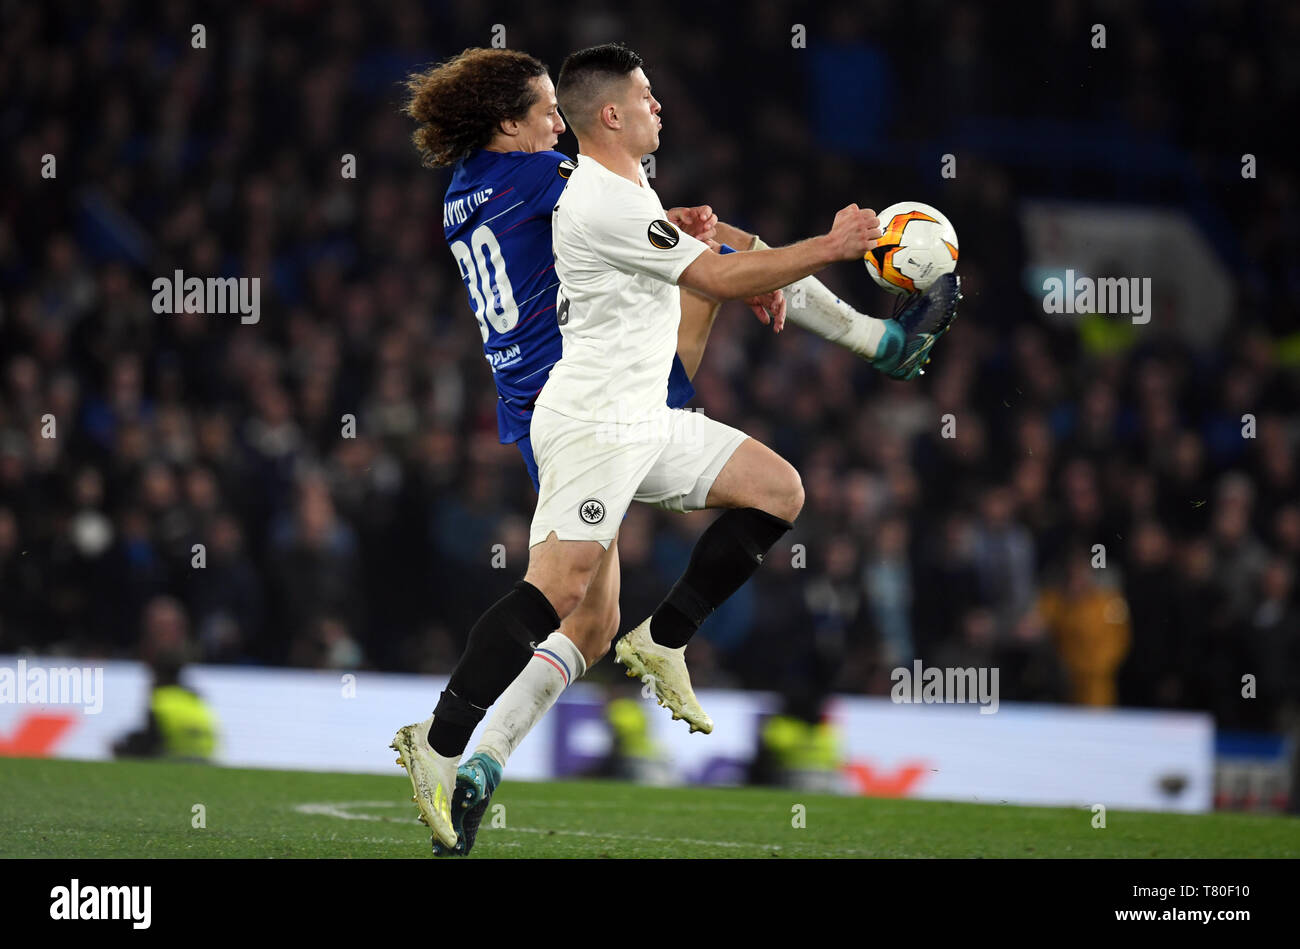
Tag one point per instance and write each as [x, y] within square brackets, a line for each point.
[325, 645]
[178, 723]
[1003, 552]
[1272, 651]
[800, 748]
[1150, 675]
[887, 579]
[1090, 626]
[316, 566]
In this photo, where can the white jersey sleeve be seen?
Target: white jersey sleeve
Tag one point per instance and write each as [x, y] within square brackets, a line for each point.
[636, 237]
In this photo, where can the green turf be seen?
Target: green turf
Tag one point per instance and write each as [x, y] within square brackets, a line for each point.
[144, 809]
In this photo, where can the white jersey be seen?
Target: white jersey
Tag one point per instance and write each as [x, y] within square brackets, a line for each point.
[618, 259]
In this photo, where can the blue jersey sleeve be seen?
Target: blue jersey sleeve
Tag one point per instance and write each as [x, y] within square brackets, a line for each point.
[542, 177]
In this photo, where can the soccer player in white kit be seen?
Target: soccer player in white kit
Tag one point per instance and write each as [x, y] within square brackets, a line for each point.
[600, 439]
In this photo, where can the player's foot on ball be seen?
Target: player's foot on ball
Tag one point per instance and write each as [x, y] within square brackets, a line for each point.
[433, 778]
[913, 331]
[476, 779]
[667, 670]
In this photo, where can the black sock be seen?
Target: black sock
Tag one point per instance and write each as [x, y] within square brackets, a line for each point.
[500, 645]
[725, 556]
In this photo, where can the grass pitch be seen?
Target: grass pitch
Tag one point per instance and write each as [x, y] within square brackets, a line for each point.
[77, 809]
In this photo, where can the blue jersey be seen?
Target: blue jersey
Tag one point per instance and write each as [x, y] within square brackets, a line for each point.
[497, 220]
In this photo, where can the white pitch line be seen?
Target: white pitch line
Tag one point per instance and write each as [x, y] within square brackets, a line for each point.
[639, 837]
[614, 805]
[339, 809]
[584, 805]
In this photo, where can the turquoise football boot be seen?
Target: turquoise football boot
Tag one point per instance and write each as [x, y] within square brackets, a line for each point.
[912, 332]
[476, 780]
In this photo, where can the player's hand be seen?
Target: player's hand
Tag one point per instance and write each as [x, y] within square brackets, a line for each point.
[769, 308]
[700, 223]
[854, 232]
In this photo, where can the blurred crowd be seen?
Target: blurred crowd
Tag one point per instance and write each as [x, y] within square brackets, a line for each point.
[1101, 524]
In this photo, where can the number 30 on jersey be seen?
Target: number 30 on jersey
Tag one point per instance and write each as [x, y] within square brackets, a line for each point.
[489, 290]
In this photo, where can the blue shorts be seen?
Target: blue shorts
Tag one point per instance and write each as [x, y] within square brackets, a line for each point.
[680, 391]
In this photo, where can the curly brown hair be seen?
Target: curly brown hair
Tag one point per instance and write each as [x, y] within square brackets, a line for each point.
[461, 102]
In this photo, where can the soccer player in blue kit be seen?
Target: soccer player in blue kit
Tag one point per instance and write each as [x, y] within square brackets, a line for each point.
[492, 115]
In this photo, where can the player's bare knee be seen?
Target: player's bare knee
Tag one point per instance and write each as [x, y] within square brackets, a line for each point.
[785, 493]
[795, 497]
[564, 592]
[564, 576]
[571, 591]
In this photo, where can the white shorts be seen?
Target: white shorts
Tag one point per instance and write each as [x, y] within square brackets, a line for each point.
[591, 472]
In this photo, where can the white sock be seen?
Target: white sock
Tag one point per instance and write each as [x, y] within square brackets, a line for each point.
[830, 317]
[555, 663]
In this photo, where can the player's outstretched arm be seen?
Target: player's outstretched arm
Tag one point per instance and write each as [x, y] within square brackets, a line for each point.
[735, 276]
[733, 236]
